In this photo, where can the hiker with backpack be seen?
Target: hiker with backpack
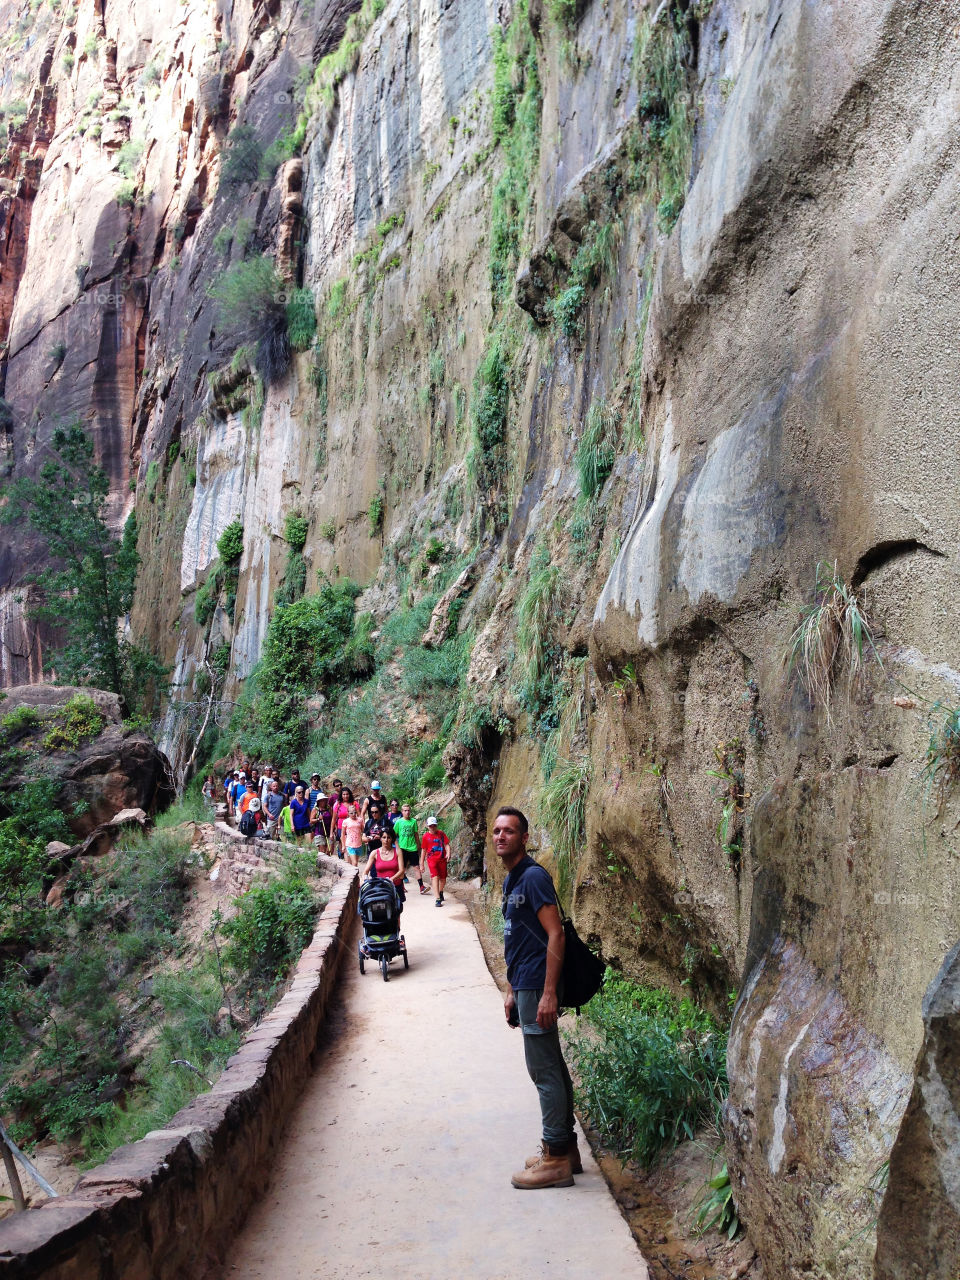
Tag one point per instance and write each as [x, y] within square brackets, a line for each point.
[534, 945]
[251, 820]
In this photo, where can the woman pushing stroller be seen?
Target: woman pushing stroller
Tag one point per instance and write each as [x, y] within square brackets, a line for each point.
[387, 860]
[379, 907]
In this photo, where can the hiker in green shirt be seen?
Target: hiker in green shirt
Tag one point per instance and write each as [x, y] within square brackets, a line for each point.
[408, 838]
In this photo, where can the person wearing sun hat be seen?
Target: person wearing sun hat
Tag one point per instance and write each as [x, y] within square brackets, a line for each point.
[434, 847]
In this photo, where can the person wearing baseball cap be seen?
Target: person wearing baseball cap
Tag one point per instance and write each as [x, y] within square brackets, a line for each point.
[434, 847]
[376, 797]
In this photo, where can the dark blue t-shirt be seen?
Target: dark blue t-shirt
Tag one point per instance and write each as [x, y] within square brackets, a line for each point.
[526, 889]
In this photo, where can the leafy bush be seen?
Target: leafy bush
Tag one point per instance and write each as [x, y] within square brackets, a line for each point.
[230, 542]
[375, 514]
[337, 298]
[307, 647]
[565, 309]
[273, 924]
[19, 720]
[653, 1073]
[941, 764]
[75, 722]
[491, 391]
[294, 579]
[295, 531]
[128, 157]
[125, 194]
[208, 593]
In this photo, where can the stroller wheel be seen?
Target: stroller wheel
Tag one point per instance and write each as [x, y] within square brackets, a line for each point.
[385, 968]
[361, 964]
[406, 962]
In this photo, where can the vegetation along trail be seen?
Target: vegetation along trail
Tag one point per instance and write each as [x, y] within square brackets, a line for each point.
[398, 1159]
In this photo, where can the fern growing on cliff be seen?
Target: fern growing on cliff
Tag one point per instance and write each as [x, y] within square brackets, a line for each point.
[534, 613]
[596, 453]
[563, 809]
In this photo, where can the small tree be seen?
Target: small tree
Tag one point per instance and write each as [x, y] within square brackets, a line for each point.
[89, 587]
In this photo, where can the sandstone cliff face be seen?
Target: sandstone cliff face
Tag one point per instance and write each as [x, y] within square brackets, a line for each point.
[775, 372]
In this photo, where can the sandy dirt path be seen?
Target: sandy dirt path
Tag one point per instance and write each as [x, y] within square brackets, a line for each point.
[397, 1161]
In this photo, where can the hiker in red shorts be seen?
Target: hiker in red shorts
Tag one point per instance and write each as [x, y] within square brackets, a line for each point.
[434, 847]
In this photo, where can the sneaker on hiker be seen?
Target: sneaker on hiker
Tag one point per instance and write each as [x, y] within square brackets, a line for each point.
[438, 903]
[423, 888]
[552, 1169]
[573, 1151]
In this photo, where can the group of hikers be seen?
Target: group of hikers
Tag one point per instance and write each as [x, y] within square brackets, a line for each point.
[261, 803]
[381, 832]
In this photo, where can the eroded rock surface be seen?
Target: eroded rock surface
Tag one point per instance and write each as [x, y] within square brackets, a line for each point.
[100, 779]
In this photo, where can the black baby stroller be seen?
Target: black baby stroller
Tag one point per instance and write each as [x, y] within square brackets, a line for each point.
[379, 909]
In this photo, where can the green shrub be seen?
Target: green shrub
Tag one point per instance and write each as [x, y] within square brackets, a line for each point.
[230, 542]
[294, 579]
[125, 194]
[128, 157]
[941, 764]
[208, 593]
[653, 1073]
[19, 720]
[295, 531]
[76, 721]
[566, 308]
[563, 12]
[274, 922]
[375, 514]
[491, 392]
[307, 646]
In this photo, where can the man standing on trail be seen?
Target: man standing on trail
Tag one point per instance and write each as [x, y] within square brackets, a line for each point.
[533, 945]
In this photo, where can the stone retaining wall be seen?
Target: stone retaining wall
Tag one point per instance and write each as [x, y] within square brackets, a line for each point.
[244, 858]
[166, 1207]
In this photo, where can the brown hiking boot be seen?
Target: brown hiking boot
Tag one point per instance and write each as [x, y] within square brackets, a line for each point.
[573, 1151]
[549, 1170]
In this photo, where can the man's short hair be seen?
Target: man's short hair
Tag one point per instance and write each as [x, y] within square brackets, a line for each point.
[508, 812]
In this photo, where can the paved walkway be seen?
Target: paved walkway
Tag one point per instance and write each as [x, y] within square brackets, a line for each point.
[397, 1162]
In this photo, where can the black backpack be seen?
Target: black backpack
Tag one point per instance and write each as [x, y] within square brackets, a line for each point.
[583, 972]
[248, 823]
